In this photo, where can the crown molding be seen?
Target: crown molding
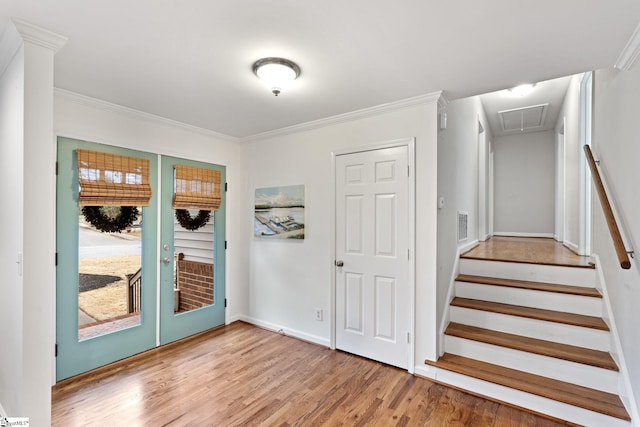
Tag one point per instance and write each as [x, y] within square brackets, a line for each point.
[429, 98]
[443, 101]
[629, 55]
[115, 108]
[39, 36]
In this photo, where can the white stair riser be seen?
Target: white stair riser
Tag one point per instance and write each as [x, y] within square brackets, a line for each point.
[530, 272]
[563, 370]
[540, 329]
[576, 304]
[532, 402]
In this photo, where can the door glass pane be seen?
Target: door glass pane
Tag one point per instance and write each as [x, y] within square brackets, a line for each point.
[110, 276]
[193, 265]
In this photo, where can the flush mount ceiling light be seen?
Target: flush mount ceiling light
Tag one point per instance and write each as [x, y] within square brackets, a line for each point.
[276, 73]
[522, 90]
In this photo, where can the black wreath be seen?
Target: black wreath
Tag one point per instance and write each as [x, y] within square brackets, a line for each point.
[184, 218]
[103, 222]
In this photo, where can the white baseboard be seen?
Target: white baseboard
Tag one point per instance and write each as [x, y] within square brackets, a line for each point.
[286, 331]
[571, 246]
[450, 293]
[517, 234]
[627, 394]
[466, 247]
[230, 320]
[425, 371]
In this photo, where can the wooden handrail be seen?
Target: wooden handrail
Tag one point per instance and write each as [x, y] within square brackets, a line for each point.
[623, 256]
[133, 290]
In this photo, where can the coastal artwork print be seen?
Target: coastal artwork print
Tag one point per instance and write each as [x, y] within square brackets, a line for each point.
[279, 212]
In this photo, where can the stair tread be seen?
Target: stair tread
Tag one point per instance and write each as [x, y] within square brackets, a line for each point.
[579, 396]
[532, 313]
[600, 359]
[512, 259]
[536, 286]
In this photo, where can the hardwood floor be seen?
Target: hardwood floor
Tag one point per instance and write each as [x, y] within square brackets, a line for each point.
[241, 375]
[529, 250]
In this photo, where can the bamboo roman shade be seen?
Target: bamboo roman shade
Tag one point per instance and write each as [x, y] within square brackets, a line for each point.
[112, 180]
[196, 188]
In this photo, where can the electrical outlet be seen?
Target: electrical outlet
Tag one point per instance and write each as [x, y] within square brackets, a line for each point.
[319, 314]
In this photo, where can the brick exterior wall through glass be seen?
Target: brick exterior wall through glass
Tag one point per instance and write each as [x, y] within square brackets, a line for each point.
[195, 281]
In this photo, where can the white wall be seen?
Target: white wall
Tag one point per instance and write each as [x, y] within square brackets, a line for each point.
[289, 279]
[96, 121]
[524, 184]
[27, 227]
[615, 144]
[458, 184]
[11, 223]
[573, 155]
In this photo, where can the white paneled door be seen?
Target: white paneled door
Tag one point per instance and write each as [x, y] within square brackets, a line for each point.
[372, 254]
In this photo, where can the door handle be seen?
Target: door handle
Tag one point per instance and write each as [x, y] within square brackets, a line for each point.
[339, 263]
[166, 260]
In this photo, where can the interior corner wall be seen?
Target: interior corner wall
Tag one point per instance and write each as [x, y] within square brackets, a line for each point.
[615, 143]
[524, 183]
[573, 155]
[290, 279]
[11, 225]
[457, 184]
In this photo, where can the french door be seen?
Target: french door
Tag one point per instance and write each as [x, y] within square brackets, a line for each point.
[119, 294]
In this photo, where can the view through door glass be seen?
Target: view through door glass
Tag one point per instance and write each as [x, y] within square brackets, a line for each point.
[193, 264]
[110, 276]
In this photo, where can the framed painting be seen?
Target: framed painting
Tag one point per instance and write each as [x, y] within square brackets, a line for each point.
[279, 212]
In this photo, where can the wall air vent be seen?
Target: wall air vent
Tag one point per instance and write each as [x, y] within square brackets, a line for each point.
[463, 220]
[525, 119]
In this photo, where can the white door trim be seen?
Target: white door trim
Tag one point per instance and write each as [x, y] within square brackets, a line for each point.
[586, 114]
[410, 144]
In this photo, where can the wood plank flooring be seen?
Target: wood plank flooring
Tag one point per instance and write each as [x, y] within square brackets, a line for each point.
[527, 250]
[241, 375]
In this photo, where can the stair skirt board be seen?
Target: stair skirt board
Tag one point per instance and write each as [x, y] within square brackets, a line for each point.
[576, 304]
[563, 370]
[533, 272]
[540, 329]
[525, 400]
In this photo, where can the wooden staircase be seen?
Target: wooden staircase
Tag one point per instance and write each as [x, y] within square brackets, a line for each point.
[533, 336]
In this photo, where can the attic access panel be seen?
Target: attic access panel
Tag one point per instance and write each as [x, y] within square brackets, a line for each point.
[523, 119]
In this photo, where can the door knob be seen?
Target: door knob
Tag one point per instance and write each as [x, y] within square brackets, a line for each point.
[339, 263]
[166, 260]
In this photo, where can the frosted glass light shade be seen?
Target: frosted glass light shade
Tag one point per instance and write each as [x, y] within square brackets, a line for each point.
[276, 73]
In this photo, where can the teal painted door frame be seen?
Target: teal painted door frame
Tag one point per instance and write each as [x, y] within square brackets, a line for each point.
[75, 356]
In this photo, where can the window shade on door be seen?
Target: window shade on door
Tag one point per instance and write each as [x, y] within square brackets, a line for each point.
[196, 188]
[112, 180]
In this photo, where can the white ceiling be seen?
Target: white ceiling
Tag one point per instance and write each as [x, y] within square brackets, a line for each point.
[551, 92]
[191, 60]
